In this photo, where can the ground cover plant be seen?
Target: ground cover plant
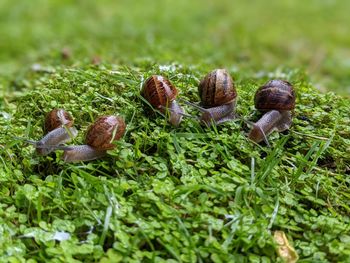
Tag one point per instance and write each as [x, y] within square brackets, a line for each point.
[165, 194]
[185, 194]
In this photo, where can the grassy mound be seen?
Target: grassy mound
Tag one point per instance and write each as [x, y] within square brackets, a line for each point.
[172, 194]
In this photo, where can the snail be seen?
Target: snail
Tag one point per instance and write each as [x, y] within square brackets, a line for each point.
[99, 139]
[218, 97]
[161, 94]
[58, 128]
[277, 99]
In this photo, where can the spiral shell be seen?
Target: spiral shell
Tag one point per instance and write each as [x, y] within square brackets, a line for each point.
[56, 118]
[217, 88]
[275, 95]
[104, 131]
[158, 91]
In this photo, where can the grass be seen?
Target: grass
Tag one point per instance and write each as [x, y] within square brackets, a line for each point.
[185, 194]
[253, 36]
[165, 194]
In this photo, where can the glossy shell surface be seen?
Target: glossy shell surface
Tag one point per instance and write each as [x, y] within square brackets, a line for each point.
[275, 95]
[158, 91]
[217, 88]
[56, 118]
[104, 131]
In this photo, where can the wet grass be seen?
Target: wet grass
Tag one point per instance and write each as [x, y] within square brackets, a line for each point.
[178, 194]
[165, 194]
[250, 35]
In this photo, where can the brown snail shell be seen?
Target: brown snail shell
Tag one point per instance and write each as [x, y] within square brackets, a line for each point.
[104, 131]
[275, 95]
[217, 88]
[56, 118]
[159, 91]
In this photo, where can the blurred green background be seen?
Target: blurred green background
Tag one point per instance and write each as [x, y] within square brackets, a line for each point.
[253, 36]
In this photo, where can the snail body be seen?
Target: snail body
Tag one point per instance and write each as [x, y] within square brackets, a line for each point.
[59, 129]
[99, 139]
[161, 94]
[276, 99]
[55, 137]
[218, 97]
